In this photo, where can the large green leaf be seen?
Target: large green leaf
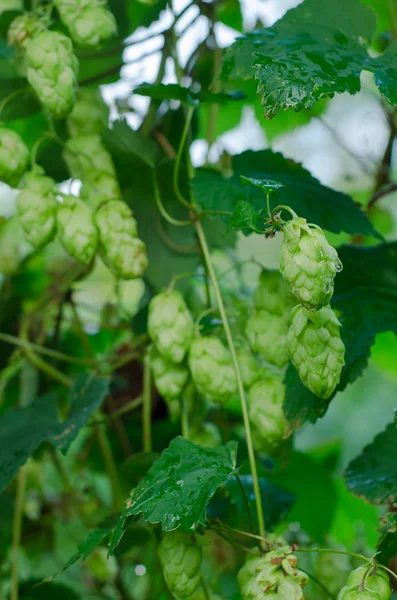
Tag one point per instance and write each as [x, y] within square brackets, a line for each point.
[173, 91]
[315, 51]
[387, 543]
[179, 485]
[319, 204]
[22, 430]
[124, 140]
[373, 474]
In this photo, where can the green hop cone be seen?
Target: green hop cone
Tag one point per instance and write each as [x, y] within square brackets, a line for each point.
[14, 157]
[266, 399]
[207, 435]
[355, 594]
[180, 558]
[76, 229]
[267, 334]
[316, 349]
[169, 378]
[249, 369]
[212, 369]
[121, 250]
[308, 263]
[37, 207]
[22, 29]
[90, 113]
[273, 294]
[376, 580]
[52, 71]
[89, 21]
[170, 325]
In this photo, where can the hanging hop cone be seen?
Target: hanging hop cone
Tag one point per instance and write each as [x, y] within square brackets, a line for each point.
[273, 294]
[121, 249]
[90, 114]
[170, 325]
[273, 576]
[52, 71]
[37, 208]
[267, 334]
[180, 558]
[76, 229]
[89, 21]
[249, 369]
[316, 349]
[14, 157]
[374, 583]
[269, 427]
[170, 380]
[23, 29]
[212, 369]
[207, 435]
[308, 263]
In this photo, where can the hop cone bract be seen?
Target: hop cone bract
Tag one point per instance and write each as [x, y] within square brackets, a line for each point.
[180, 558]
[266, 399]
[37, 208]
[76, 229]
[90, 114]
[308, 263]
[316, 349]
[170, 325]
[273, 294]
[376, 581]
[52, 71]
[89, 22]
[14, 157]
[170, 378]
[207, 435]
[212, 369]
[267, 334]
[249, 369]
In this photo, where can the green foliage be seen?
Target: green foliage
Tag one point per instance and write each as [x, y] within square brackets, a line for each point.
[387, 543]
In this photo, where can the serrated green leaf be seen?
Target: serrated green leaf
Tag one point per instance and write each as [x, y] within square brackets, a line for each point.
[244, 216]
[177, 488]
[373, 474]
[266, 185]
[22, 430]
[387, 543]
[384, 69]
[123, 140]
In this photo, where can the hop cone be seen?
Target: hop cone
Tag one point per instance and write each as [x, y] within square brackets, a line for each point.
[355, 594]
[170, 378]
[206, 435]
[170, 325]
[52, 71]
[180, 558]
[14, 157]
[212, 369]
[316, 349]
[248, 367]
[376, 581]
[308, 264]
[266, 399]
[10, 5]
[37, 208]
[89, 22]
[22, 29]
[272, 294]
[272, 576]
[267, 334]
[121, 250]
[90, 114]
[76, 229]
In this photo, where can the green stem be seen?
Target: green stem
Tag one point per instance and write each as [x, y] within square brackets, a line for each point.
[135, 403]
[214, 109]
[226, 213]
[110, 465]
[287, 208]
[82, 334]
[189, 115]
[379, 566]
[229, 337]
[147, 405]
[11, 96]
[333, 551]
[268, 206]
[16, 532]
[246, 503]
[161, 206]
[205, 589]
[148, 120]
[318, 582]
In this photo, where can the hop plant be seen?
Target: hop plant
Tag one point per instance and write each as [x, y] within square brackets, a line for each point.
[316, 349]
[273, 294]
[14, 157]
[364, 581]
[356, 594]
[212, 369]
[89, 22]
[37, 208]
[267, 334]
[272, 576]
[22, 29]
[180, 558]
[90, 114]
[76, 229]
[207, 435]
[266, 399]
[308, 263]
[248, 367]
[121, 250]
[170, 325]
[10, 5]
[52, 71]
[169, 378]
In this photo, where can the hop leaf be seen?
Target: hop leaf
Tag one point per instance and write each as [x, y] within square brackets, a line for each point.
[376, 581]
[121, 250]
[267, 334]
[170, 325]
[273, 294]
[90, 114]
[207, 435]
[76, 229]
[266, 399]
[89, 22]
[316, 349]
[212, 369]
[37, 208]
[52, 71]
[180, 558]
[170, 378]
[308, 263]
[14, 157]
